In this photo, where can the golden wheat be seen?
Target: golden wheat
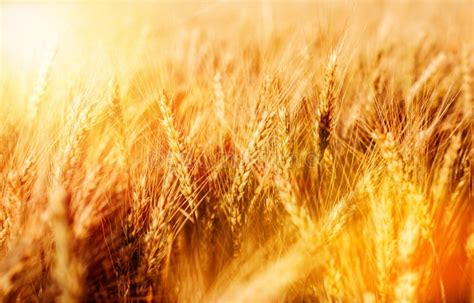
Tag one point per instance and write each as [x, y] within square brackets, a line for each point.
[177, 156]
[302, 152]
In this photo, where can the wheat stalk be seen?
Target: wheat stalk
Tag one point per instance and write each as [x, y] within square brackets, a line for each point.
[67, 269]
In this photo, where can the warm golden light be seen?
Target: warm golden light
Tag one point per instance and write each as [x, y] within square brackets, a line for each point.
[27, 29]
[236, 151]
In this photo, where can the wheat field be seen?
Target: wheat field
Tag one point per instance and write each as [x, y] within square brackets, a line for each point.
[236, 151]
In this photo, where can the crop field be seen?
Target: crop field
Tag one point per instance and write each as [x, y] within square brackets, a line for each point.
[236, 151]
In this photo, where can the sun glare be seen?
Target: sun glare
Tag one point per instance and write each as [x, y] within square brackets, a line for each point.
[27, 29]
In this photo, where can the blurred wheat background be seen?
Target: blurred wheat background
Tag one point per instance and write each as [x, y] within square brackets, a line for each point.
[236, 151]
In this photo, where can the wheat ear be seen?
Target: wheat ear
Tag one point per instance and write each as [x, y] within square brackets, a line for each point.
[41, 81]
[80, 120]
[466, 71]
[325, 108]
[177, 154]
[10, 210]
[440, 186]
[286, 192]
[259, 136]
[424, 77]
[219, 101]
[156, 240]
[233, 199]
[382, 214]
[117, 113]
